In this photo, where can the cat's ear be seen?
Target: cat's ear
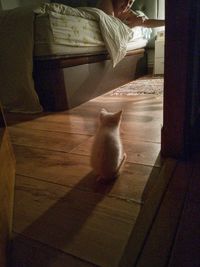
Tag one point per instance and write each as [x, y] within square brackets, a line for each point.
[102, 113]
[120, 112]
[118, 116]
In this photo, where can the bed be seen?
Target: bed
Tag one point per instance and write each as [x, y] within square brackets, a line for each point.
[67, 71]
[57, 64]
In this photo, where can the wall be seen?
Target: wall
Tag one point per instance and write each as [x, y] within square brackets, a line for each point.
[161, 9]
[9, 4]
[77, 3]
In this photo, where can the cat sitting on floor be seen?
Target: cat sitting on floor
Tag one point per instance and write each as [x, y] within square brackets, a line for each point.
[107, 156]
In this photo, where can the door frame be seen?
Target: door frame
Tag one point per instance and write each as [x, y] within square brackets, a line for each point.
[179, 90]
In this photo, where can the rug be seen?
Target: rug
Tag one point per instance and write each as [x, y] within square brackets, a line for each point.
[141, 86]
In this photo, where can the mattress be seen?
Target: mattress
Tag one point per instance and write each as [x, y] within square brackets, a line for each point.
[76, 37]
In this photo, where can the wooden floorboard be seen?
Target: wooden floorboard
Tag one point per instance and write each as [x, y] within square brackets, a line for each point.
[62, 216]
[186, 248]
[30, 253]
[77, 222]
[147, 216]
[137, 151]
[166, 232]
[157, 248]
[48, 140]
[70, 170]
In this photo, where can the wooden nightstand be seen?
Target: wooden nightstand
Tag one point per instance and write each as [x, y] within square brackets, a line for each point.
[159, 56]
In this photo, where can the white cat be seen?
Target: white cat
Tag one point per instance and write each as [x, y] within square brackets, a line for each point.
[107, 156]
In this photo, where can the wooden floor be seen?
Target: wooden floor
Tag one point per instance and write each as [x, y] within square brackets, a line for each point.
[62, 217]
[166, 233]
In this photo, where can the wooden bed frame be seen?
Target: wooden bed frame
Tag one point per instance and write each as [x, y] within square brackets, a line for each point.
[66, 82]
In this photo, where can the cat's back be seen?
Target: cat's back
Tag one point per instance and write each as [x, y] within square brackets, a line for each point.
[106, 141]
[106, 150]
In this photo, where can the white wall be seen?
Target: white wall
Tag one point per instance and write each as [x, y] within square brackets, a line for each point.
[161, 15]
[9, 4]
[161, 9]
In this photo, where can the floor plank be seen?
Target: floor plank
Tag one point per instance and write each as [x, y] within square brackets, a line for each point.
[186, 249]
[140, 152]
[48, 140]
[147, 215]
[138, 132]
[70, 170]
[157, 248]
[81, 127]
[69, 218]
[62, 215]
[30, 253]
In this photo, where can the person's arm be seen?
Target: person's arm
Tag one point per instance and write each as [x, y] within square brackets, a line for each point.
[131, 19]
[153, 23]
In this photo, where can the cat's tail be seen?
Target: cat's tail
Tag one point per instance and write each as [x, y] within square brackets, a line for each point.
[115, 174]
[121, 164]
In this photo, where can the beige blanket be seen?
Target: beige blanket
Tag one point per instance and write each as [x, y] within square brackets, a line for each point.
[17, 93]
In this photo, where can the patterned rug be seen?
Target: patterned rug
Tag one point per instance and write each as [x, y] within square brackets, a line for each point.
[141, 86]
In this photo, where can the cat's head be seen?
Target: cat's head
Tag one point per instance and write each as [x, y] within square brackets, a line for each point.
[109, 118]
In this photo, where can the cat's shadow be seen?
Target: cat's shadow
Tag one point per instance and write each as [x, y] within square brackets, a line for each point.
[61, 223]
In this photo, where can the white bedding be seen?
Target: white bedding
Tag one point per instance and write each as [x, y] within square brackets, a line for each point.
[46, 45]
[17, 92]
[83, 27]
[44, 50]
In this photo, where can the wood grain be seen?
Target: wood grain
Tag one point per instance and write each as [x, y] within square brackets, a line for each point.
[73, 220]
[137, 151]
[49, 140]
[147, 216]
[81, 126]
[61, 212]
[30, 253]
[186, 249]
[158, 246]
[69, 170]
[7, 178]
